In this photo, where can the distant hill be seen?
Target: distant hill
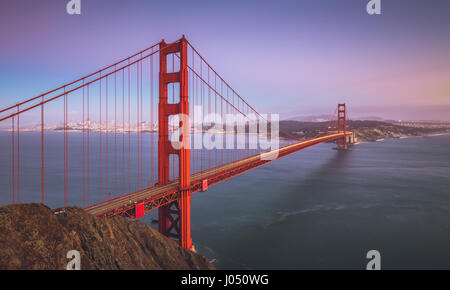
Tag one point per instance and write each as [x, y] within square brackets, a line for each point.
[311, 118]
[325, 118]
[374, 130]
[365, 130]
[32, 236]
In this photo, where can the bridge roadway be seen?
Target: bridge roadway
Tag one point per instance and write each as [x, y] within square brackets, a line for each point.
[159, 195]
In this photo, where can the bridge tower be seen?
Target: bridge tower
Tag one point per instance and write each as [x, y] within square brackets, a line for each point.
[342, 126]
[175, 218]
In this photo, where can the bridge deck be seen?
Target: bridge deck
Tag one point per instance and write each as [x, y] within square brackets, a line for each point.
[159, 195]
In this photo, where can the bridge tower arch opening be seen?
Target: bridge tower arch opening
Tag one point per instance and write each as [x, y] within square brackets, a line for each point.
[175, 218]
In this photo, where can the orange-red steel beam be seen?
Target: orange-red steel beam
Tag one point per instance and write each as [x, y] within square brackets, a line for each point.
[174, 218]
[342, 126]
[158, 196]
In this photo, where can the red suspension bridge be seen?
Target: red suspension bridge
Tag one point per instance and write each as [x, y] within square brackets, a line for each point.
[141, 122]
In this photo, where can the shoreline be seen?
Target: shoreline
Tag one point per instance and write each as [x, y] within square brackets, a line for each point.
[403, 137]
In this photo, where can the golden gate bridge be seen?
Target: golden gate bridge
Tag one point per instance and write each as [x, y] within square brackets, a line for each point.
[155, 90]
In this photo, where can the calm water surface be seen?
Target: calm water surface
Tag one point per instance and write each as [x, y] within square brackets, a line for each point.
[316, 209]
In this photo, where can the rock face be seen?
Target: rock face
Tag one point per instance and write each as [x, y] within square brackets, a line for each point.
[32, 236]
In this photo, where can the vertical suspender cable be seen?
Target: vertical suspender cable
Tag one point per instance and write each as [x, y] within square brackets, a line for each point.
[107, 141]
[115, 131]
[100, 136]
[12, 159]
[84, 157]
[42, 152]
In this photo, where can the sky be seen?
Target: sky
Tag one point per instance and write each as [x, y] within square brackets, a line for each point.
[294, 58]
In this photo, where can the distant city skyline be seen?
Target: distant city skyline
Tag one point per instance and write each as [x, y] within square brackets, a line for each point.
[286, 57]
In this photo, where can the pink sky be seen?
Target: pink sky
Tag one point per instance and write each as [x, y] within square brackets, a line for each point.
[289, 57]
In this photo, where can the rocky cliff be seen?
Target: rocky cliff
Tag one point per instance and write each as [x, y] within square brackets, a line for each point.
[33, 236]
